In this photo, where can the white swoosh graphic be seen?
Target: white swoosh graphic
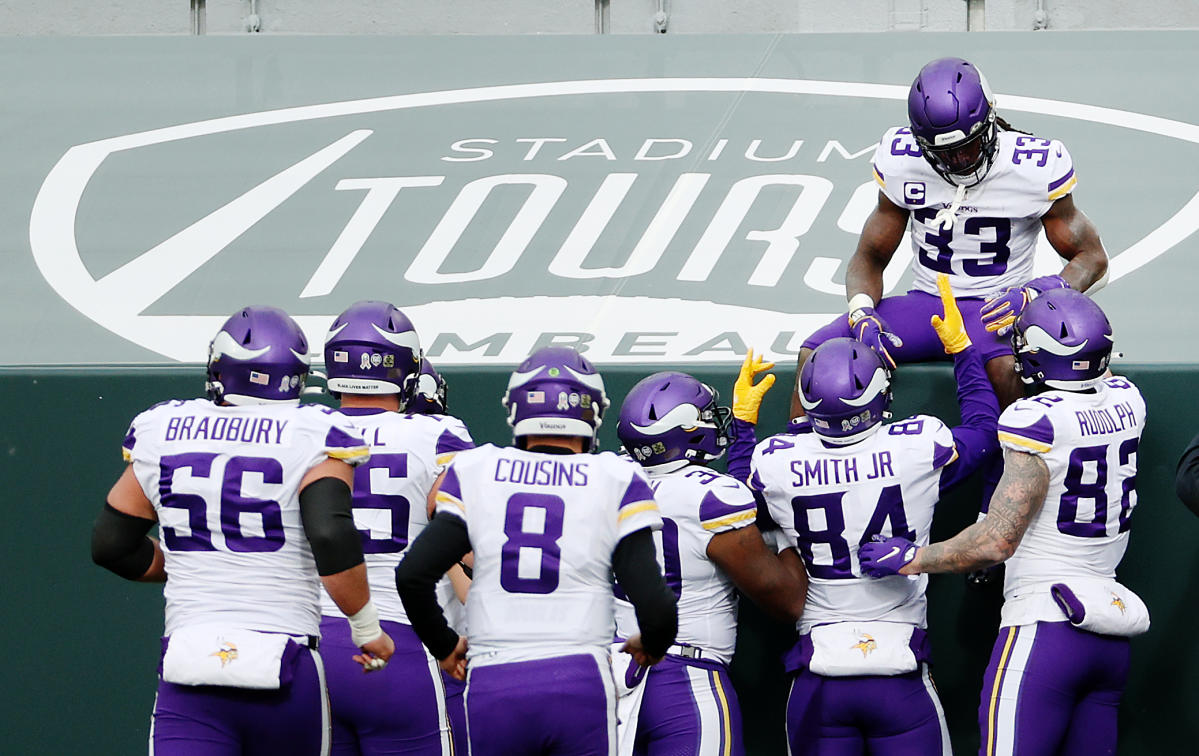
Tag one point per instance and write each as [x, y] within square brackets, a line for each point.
[334, 331]
[406, 339]
[1037, 338]
[878, 384]
[684, 415]
[224, 344]
[117, 300]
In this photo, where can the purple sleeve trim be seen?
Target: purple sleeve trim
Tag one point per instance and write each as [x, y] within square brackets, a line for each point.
[1040, 431]
[450, 485]
[130, 439]
[712, 507]
[337, 438]
[741, 450]
[449, 442]
[975, 438]
[942, 455]
[1055, 184]
[638, 490]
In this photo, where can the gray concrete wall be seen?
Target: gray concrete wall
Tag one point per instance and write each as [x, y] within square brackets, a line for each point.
[84, 17]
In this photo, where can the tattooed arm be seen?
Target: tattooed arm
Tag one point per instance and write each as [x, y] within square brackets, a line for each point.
[993, 539]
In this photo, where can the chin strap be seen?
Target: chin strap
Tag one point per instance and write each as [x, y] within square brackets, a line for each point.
[947, 217]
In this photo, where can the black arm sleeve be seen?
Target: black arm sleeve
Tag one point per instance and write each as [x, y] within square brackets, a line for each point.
[635, 563]
[1186, 483]
[119, 543]
[329, 524]
[438, 548]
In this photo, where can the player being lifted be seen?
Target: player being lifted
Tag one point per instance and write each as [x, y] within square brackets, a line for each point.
[252, 494]
[549, 524]
[671, 424]
[861, 680]
[1060, 518]
[974, 194]
[372, 358]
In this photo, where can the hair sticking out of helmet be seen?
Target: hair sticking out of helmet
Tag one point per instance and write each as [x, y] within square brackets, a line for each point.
[1062, 340]
[845, 389]
[372, 348]
[555, 392]
[951, 111]
[260, 356]
[673, 419]
[430, 394]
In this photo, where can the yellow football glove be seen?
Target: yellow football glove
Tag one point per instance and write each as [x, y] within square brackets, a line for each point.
[951, 330]
[747, 395]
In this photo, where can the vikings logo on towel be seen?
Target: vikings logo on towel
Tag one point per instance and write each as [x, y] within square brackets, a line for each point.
[226, 653]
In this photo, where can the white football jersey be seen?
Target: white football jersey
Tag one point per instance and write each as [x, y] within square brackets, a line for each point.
[696, 504]
[831, 499]
[993, 240]
[1089, 443]
[225, 484]
[543, 528]
[408, 452]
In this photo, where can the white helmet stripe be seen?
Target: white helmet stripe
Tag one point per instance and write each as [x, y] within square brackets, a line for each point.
[334, 331]
[1037, 338]
[682, 416]
[300, 356]
[809, 405]
[225, 344]
[407, 339]
[592, 381]
[878, 384]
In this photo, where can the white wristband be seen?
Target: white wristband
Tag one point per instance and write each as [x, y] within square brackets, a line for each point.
[860, 301]
[364, 625]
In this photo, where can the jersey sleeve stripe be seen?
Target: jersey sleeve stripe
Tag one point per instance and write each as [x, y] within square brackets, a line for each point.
[631, 509]
[445, 498]
[444, 459]
[1025, 443]
[126, 454]
[712, 507]
[638, 491]
[1065, 188]
[732, 519]
[449, 441]
[351, 454]
[878, 177]
[1055, 184]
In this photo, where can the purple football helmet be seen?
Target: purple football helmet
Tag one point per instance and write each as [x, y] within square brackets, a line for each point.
[952, 114]
[668, 417]
[372, 348]
[429, 393]
[845, 390]
[1062, 340]
[260, 356]
[555, 392]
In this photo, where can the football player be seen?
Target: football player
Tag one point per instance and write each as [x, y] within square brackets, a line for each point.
[252, 495]
[710, 545]
[549, 524]
[372, 358]
[430, 395]
[974, 194]
[1060, 518]
[861, 677]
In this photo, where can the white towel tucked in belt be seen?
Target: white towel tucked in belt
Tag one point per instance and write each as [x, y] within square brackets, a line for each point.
[213, 655]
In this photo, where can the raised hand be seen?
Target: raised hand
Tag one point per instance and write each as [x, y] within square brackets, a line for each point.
[951, 330]
[747, 395]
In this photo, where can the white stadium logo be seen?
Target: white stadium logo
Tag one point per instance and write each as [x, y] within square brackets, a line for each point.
[619, 328]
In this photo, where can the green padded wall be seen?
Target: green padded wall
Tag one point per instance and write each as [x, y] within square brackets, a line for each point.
[82, 644]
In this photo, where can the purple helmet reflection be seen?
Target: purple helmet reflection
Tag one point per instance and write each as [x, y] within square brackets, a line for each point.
[668, 417]
[845, 390]
[1062, 340]
[555, 392]
[952, 114]
[372, 348]
[260, 356]
[430, 392]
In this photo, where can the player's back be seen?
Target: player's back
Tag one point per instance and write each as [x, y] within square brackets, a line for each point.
[1088, 441]
[391, 490]
[224, 482]
[543, 528]
[830, 499]
[696, 503]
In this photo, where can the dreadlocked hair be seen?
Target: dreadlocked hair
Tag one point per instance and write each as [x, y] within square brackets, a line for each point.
[1003, 124]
